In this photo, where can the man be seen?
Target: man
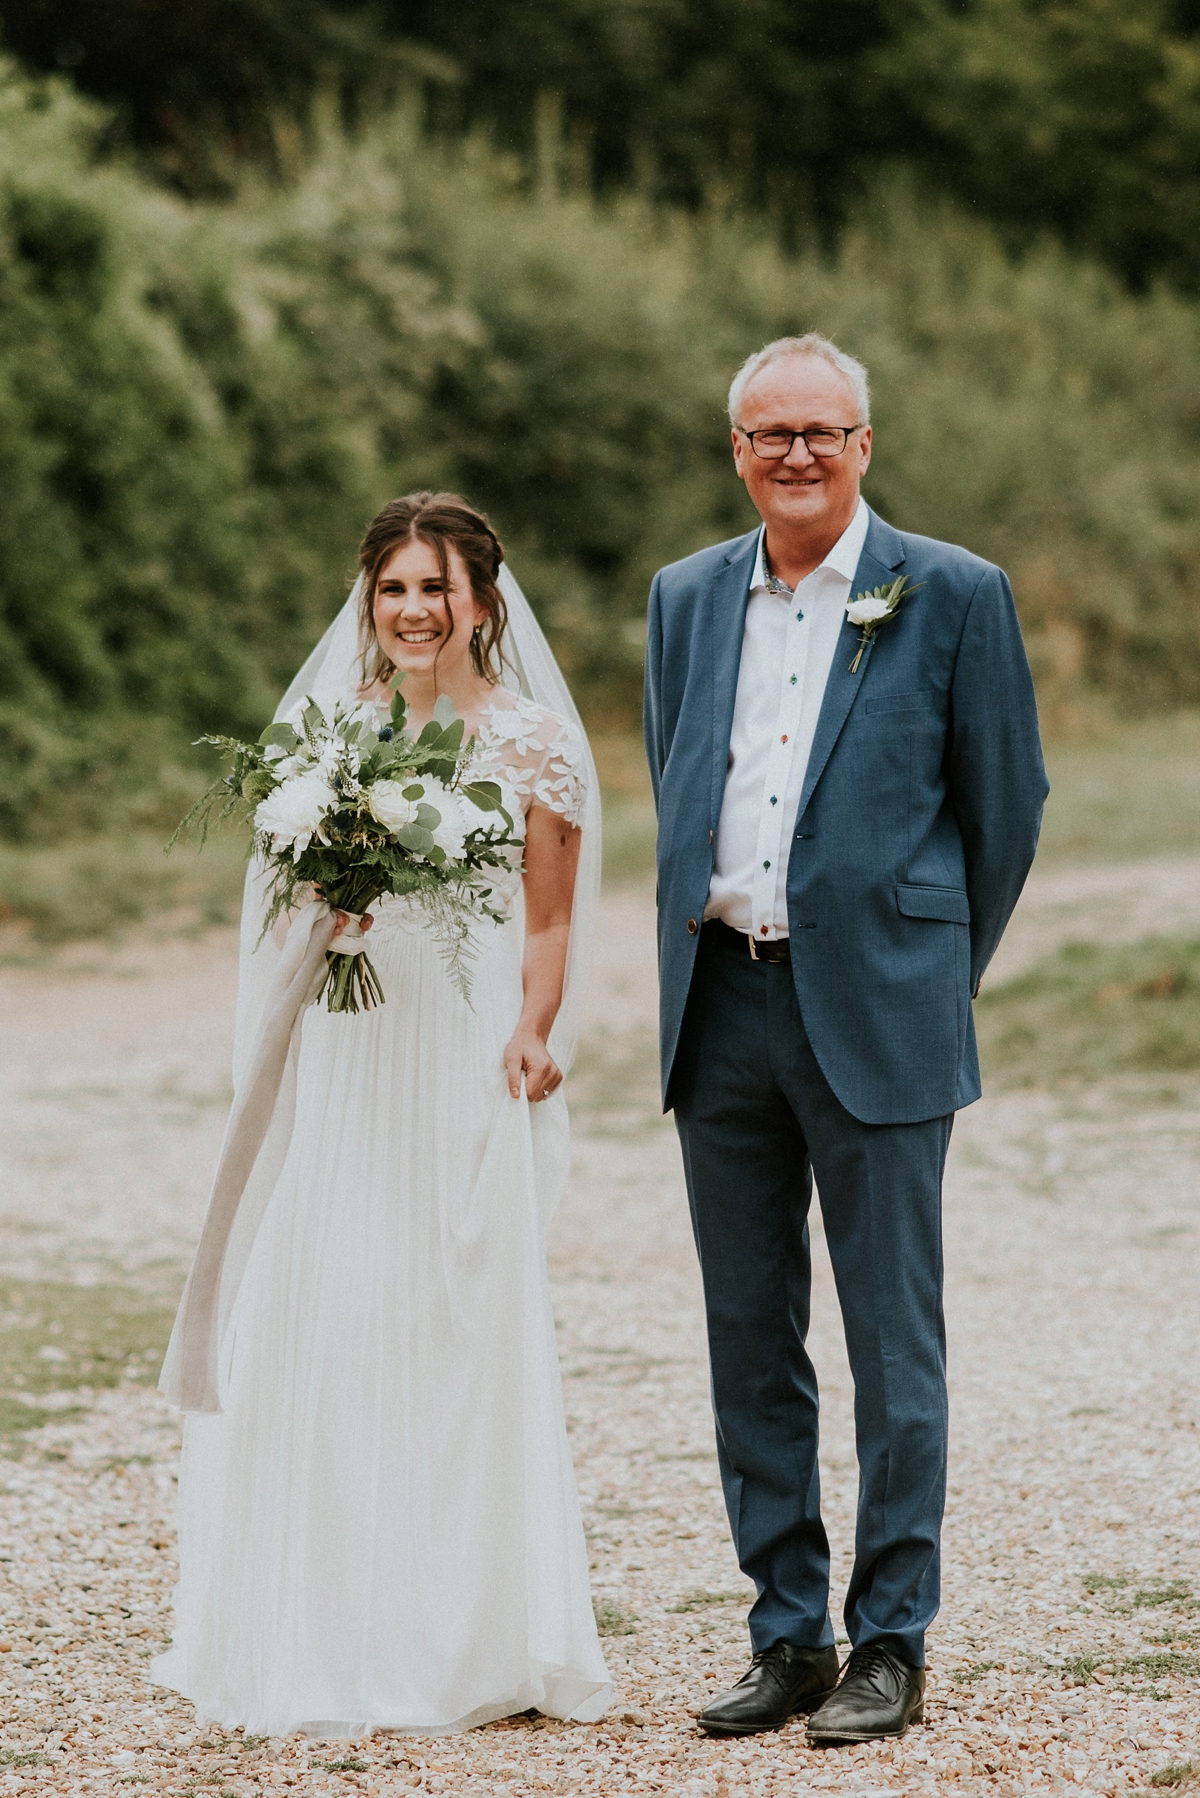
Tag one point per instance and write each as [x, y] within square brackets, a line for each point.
[847, 813]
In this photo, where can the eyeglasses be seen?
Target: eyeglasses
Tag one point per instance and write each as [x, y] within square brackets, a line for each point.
[822, 440]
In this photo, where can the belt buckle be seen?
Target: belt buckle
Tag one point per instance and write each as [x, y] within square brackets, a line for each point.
[753, 950]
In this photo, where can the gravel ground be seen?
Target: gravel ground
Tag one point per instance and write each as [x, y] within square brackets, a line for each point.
[1067, 1655]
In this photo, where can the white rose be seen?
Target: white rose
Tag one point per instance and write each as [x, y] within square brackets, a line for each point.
[292, 813]
[867, 611]
[450, 833]
[387, 804]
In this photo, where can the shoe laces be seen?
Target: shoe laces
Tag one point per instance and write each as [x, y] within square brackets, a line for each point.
[771, 1657]
[869, 1663]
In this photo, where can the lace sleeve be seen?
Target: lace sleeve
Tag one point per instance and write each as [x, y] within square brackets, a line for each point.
[539, 754]
[560, 784]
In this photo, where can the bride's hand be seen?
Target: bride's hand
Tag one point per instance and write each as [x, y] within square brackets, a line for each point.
[342, 918]
[527, 1054]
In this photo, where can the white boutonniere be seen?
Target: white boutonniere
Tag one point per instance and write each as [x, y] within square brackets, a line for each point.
[869, 610]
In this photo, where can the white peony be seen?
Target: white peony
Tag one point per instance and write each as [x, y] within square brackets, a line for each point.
[450, 834]
[867, 611]
[292, 813]
[388, 806]
[363, 712]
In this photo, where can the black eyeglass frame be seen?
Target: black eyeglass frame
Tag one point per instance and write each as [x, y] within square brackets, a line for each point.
[813, 431]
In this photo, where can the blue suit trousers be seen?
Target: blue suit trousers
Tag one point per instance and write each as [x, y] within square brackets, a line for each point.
[757, 1119]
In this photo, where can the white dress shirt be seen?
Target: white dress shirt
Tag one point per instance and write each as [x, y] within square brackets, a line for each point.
[787, 652]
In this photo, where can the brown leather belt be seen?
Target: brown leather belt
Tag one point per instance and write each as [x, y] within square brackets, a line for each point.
[774, 951]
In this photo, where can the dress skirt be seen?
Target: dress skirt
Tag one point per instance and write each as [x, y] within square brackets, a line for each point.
[381, 1529]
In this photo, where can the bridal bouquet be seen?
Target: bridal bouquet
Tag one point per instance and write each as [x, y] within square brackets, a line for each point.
[358, 811]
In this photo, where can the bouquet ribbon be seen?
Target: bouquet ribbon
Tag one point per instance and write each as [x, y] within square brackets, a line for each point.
[352, 938]
[252, 1155]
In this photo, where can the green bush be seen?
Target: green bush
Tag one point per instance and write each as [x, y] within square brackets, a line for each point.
[202, 405]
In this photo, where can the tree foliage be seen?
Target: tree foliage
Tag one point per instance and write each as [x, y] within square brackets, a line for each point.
[1080, 117]
[203, 404]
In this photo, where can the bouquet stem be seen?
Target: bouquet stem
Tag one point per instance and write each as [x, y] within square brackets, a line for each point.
[351, 983]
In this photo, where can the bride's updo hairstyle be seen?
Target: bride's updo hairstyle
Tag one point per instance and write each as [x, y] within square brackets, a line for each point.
[443, 521]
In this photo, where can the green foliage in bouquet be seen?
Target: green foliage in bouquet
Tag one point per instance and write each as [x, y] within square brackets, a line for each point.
[354, 812]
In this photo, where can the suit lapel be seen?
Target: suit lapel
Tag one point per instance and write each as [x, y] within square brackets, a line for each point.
[727, 597]
[882, 554]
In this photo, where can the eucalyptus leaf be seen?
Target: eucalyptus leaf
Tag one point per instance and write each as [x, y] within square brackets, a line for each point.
[430, 735]
[484, 794]
[314, 717]
[282, 736]
[416, 838]
[428, 817]
[445, 713]
[416, 791]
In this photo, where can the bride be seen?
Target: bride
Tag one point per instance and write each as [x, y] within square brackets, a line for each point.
[380, 1528]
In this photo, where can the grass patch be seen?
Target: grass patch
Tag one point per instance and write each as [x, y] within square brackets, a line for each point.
[98, 885]
[1090, 1011]
[1161, 1666]
[1105, 1582]
[55, 1337]
[1131, 790]
[346, 1765]
[612, 1619]
[700, 1600]
[1176, 1773]
[1176, 1593]
[1080, 1667]
[966, 1676]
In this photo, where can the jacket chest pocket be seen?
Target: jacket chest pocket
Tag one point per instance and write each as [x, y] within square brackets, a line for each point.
[923, 702]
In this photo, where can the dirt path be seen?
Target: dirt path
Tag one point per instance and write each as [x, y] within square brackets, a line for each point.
[1073, 1535]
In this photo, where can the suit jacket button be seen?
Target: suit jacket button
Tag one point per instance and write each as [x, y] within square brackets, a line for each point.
[692, 926]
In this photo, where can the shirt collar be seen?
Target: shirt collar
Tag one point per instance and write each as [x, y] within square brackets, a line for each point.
[843, 557]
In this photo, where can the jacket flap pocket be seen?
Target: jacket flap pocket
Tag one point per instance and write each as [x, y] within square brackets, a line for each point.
[949, 905]
[900, 702]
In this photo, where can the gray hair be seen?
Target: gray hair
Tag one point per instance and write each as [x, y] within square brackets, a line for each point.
[811, 344]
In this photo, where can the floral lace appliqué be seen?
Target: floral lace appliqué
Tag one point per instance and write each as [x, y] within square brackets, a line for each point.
[537, 753]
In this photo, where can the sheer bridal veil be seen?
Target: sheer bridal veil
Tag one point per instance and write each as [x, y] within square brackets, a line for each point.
[273, 990]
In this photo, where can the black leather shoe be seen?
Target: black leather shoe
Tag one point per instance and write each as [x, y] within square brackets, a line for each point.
[782, 1680]
[878, 1695]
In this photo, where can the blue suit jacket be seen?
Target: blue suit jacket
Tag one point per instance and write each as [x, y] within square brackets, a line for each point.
[917, 822]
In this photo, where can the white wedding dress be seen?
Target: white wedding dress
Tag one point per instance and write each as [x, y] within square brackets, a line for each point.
[381, 1530]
